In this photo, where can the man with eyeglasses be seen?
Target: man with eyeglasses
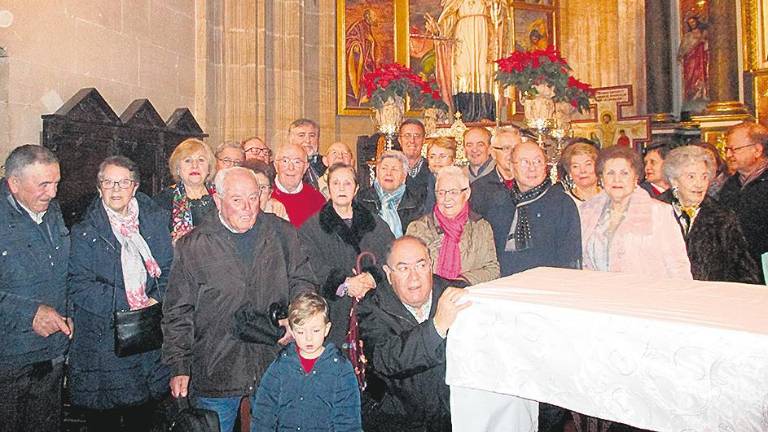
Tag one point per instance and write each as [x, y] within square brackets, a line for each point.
[411, 140]
[501, 180]
[403, 326]
[477, 148]
[255, 149]
[534, 224]
[746, 191]
[300, 199]
[228, 154]
[34, 260]
[338, 152]
[306, 134]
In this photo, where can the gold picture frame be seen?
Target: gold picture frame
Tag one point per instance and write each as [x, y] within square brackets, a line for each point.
[755, 25]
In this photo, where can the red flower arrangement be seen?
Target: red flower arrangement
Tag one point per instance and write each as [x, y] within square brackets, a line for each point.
[526, 69]
[394, 79]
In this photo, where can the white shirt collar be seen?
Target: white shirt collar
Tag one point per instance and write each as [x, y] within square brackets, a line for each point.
[283, 189]
[37, 217]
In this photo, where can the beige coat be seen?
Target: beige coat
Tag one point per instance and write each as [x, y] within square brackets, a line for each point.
[478, 252]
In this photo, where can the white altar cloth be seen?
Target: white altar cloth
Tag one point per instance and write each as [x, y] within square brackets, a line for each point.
[659, 354]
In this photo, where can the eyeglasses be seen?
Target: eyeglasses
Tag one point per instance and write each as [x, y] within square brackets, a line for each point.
[412, 136]
[120, 184]
[504, 148]
[288, 161]
[527, 163]
[733, 149]
[450, 193]
[438, 156]
[420, 267]
[230, 162]
[259, 151]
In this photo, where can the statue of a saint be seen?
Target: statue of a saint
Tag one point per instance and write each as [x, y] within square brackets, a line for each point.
[472, 26]
[694, 56]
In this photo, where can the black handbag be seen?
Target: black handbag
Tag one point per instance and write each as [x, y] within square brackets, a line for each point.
[191, 419]
[137, 331]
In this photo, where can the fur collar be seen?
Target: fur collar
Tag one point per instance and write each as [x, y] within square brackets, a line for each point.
[363, 222]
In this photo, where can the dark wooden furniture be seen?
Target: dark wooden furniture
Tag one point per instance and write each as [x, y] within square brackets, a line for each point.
[85, 130]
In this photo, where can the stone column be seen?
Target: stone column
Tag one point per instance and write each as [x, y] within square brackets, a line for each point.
[723, 59]
[658, 67]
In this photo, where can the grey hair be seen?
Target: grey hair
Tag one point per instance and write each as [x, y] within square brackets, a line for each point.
[281, 151]
[25, 155]
[452, 171]
[221, 177]
[506, 131]
[394, 154]
[228, 144]
[304, 122]
[681, 157]
[122, 162]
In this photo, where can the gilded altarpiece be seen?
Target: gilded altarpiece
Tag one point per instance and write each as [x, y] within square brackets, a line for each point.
[755, 25]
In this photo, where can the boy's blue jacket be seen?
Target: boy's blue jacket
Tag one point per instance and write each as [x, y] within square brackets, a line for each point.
[325, 399]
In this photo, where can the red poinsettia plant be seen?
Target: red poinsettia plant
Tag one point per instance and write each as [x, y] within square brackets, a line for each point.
[527, 69]
[394, 79]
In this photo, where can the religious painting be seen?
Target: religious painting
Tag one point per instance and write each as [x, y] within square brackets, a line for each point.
[693, 55]
[422, 39]
[533, 29]
[760, 95]
[608, 126]
[365, 40]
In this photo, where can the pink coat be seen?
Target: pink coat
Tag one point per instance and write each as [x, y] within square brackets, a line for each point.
[647, 241]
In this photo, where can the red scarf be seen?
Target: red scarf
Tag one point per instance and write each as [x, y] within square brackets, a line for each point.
[449, 260]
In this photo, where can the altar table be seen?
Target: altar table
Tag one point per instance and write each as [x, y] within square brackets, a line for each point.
[658, 354]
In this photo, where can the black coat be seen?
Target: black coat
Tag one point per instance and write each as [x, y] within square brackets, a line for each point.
[407, 359]
[209, 284]
[485, 191]
[751, 206]
[333, 247]
[98, 378]
[418, 183]
[716, 245]
[411, 206]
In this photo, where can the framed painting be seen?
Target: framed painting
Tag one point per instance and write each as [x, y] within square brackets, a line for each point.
[365, 36]
[421, 43]
[755, 24]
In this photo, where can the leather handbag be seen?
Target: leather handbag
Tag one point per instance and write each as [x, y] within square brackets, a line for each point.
[191, 419]
[137, 331]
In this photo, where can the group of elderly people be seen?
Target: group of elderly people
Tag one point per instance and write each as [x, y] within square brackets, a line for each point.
[498, 216]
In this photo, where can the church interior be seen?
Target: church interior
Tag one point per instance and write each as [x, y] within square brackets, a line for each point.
[89, 79]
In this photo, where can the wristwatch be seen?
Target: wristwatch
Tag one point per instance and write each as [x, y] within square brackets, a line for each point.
[343, 289]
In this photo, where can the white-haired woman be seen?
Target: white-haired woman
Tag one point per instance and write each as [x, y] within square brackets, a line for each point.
[389, 197]
[460, 242]
[716, 244]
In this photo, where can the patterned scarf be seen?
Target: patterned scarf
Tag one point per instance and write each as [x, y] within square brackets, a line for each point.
[181, 213]
[449, 259]
[135, 257]
[519, 237]
[685, 214]
[414, 171]
[389, 203]
[746, 180]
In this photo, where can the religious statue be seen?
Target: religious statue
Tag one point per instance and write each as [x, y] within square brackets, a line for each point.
[473, 27]
[694, 56]
[361, 46]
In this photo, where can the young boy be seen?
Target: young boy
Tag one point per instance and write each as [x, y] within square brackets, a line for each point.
[309, 386]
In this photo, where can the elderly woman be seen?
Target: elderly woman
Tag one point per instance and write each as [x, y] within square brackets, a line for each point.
[459, 241]
[716, 245]
[334, 237]
[623, 229]
[337, 152]
[265, 176]
[389, 198]
[189, 200]
[655, 183]
[121, 257]
[579, 160]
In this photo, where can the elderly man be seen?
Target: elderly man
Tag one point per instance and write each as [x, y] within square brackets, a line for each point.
[229, 154]
[746, 191]
[403, 326]
[226, 275]
[306, 133]
[389, 197]
[338, 152]
[299, 198]
[33, 292]
[484, 190]
[535, 224]
[477, 148]
[411, 139]
[256, 149]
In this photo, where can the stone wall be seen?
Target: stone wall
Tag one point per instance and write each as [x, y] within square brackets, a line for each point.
[128, 49]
